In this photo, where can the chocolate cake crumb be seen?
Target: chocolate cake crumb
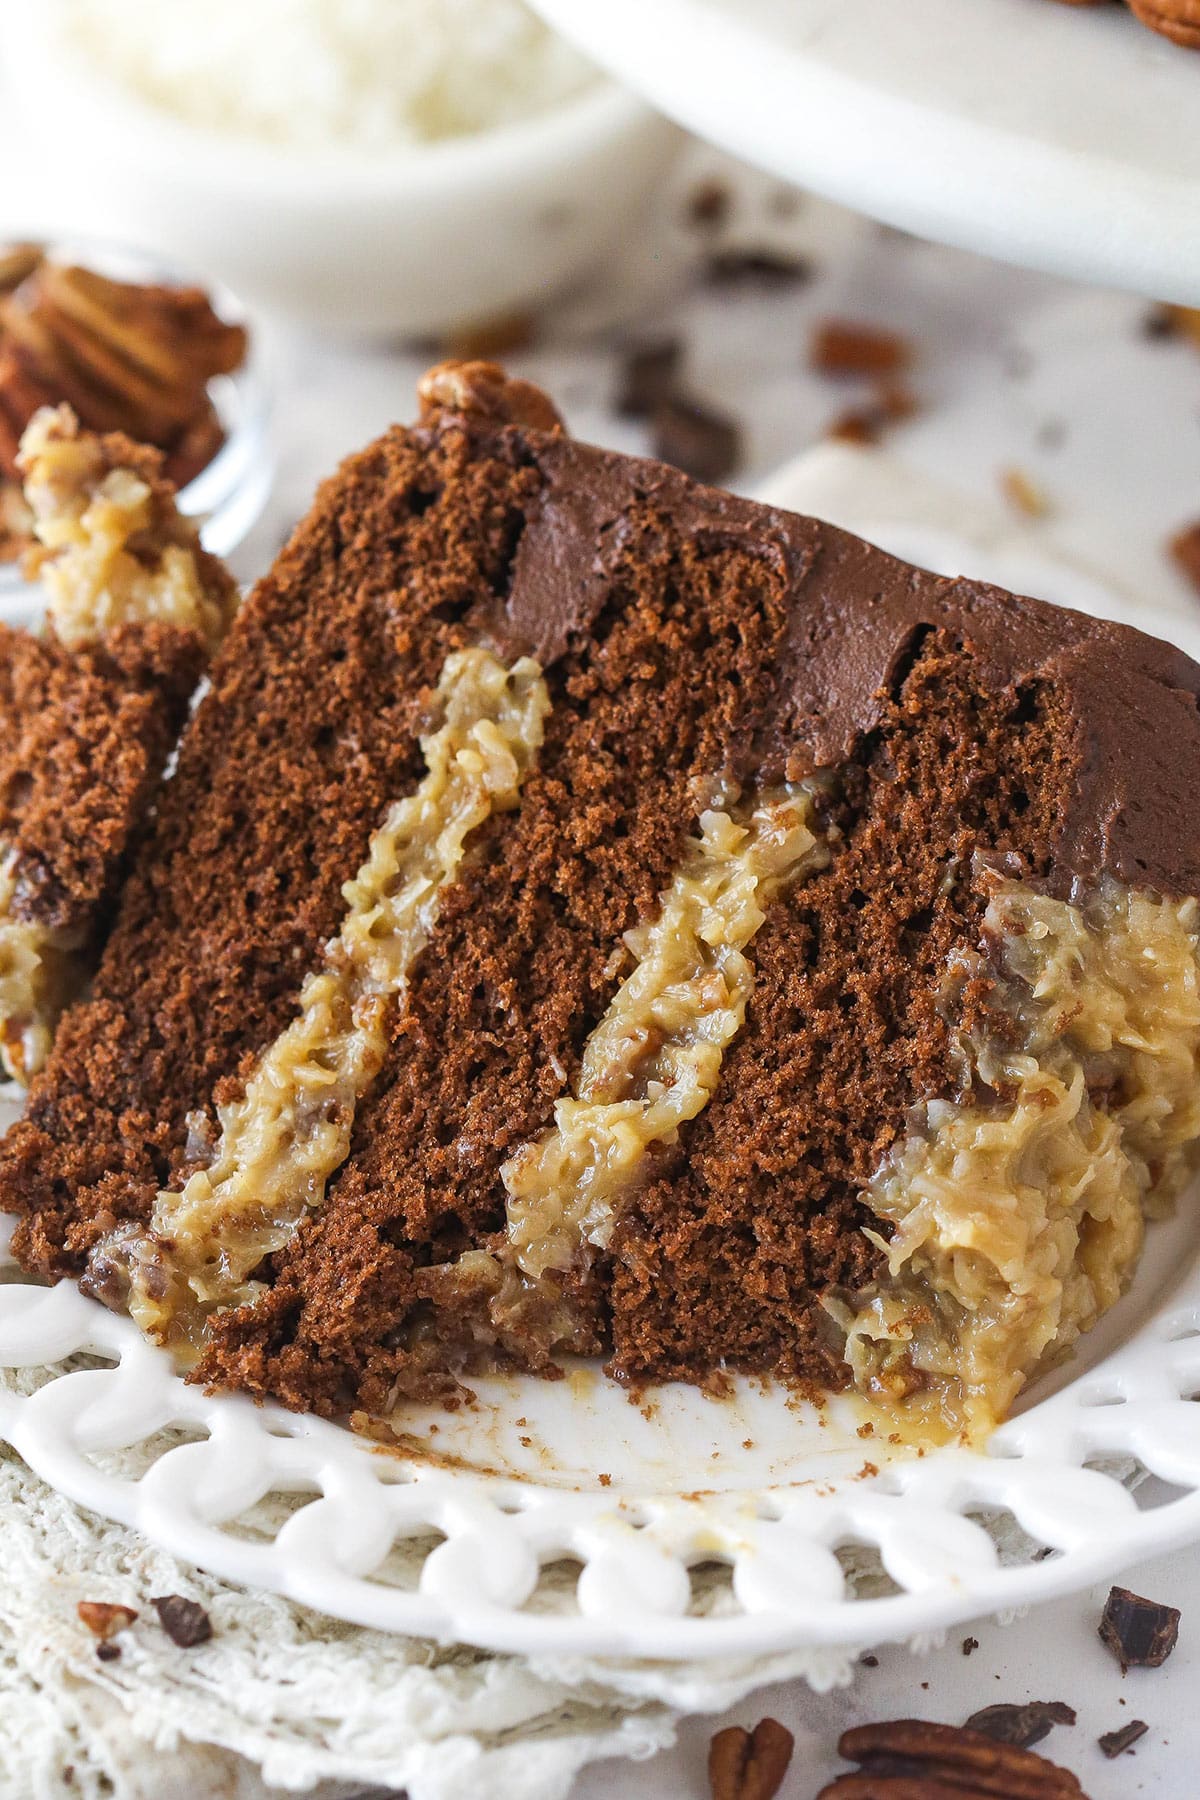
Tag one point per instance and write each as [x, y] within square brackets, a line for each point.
[970, 1645]
[1115, 1743]
[185, 1621]
[1023, 1725]
[1140, 1633]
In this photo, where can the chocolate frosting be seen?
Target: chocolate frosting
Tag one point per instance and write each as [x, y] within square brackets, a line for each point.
[1132, 807]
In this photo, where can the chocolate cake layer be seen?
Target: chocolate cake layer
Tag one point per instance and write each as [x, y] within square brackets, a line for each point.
[90, 706]
[697, 651]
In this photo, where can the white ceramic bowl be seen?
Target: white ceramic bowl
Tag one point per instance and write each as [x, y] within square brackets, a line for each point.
[405, 243]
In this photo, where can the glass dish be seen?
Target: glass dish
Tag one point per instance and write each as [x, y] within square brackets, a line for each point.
[229, 494]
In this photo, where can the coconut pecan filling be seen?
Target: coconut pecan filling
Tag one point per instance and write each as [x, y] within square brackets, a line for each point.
[1012, 1220]
[283, 1139]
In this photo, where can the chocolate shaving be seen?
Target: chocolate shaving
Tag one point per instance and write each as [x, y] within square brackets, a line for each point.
[1021, 1725]
[703, 443]
[1140, 1633]
[709, 203]
[185, 1621]
[756, 268]
[1115, 1743]
[649, 377]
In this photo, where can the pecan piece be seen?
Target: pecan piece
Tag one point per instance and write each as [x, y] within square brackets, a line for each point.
[847, 347]
[481, 390]
[1177, 19]
[104, 1618]
[749, 1765]
[912, 1759]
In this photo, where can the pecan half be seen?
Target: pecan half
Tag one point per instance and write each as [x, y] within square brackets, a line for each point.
[125, 356]
[911, 1759]
[749, 1765]
[1176, 19]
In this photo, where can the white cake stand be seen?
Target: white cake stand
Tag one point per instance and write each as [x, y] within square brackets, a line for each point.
[1058, 138]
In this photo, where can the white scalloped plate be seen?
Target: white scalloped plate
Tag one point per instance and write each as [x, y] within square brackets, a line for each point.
[1045, 135]
[684, 1527]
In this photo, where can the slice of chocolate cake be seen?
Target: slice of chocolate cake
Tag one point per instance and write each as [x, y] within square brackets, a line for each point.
[593, 913]
[89, 707]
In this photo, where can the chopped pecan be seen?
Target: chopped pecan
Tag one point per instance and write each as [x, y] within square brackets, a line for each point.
[482, 390]
[1024, 494]
[749, 1765]
[104, 1618]
[911, 1759]
[844, 347]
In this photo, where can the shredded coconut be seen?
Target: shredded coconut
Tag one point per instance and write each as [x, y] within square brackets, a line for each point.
[357, 74]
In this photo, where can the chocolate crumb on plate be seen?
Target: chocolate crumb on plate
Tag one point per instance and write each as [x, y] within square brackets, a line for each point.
[185, 1621]
[649, 377]
[703, 443]
[1140, 1633]
[104, 1618]
[1185, 552]
[869, 1662]
[1115, 1743]
[709, 202]
[969, 1645]
[756, 268]
[845, 347]
[1021, 1725]
[749, 1765]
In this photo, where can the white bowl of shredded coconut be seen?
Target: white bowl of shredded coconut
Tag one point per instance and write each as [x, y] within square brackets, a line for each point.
[371, 166]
